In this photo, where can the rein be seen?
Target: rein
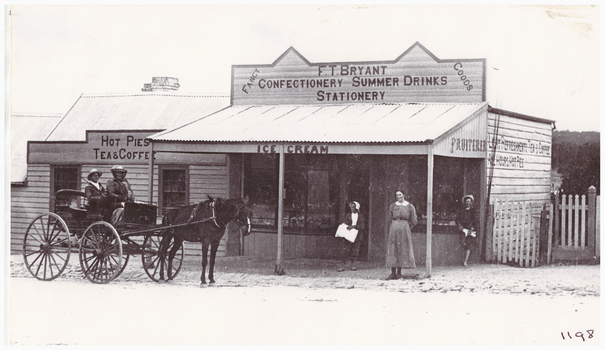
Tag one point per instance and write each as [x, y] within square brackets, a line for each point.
[213, 217]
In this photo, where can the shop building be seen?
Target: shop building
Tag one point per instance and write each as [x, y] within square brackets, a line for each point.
[302, 139]
[318, 135]
[100, 131]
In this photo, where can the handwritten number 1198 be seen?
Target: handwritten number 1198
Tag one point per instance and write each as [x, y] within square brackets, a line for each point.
[578, 335]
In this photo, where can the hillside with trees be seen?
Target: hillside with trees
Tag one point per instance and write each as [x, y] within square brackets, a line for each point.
[576, 156]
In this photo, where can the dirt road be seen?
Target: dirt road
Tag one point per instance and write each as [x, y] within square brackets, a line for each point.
[312, 305]
[577, 280]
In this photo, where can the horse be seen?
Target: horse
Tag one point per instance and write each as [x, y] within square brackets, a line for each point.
[209, 220]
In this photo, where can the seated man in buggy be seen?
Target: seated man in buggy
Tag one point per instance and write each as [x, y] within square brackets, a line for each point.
[96, 196]
[118, 192]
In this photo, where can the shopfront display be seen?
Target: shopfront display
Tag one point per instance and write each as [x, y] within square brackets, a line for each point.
[353, 131]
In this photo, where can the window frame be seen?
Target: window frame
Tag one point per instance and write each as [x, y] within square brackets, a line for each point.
[54, 169]
[301, 169]
[161, 178]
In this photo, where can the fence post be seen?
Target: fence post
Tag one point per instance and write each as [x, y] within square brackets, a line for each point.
[598, 229]
[583, 225]
[563, 216]
[550, 234]
[489, 232]
[591, 222]
[557, 220]
[570, 242]
[528, 234]
[543, 237]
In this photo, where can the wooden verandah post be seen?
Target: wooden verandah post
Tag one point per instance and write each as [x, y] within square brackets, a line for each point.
[429, 212]
[279, 270]
[150, 188]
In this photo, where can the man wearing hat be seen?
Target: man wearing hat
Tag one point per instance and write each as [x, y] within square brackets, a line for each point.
[467, 221]
[118, 192]
[96, 195]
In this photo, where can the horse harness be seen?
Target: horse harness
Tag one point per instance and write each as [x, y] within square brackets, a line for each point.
[213, 217]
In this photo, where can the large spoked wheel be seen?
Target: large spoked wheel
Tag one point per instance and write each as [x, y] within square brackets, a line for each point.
[156, 263]
[101, 252]
[125, 259]
[46, 246]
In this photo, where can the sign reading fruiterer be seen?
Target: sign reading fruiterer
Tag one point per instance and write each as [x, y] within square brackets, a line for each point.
[415, 76]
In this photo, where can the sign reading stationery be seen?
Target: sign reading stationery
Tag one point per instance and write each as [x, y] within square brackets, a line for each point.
[415, 76]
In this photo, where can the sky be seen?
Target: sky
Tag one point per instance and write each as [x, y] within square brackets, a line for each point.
[542, 61]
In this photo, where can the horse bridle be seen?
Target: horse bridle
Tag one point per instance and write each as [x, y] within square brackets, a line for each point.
[236, 217]
[213, 217]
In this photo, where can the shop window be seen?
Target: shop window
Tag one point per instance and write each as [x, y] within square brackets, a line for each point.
[448, 188]
[174, 187]
[310, 192]
[64, 178]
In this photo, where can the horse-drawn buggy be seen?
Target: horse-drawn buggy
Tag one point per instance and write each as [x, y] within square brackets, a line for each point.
[105, 250]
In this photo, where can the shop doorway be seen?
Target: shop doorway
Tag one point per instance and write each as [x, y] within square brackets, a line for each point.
[358, 189]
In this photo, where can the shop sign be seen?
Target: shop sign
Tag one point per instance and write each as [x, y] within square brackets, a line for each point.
[468, 141]
[100, 147]
[110, 148]
[292, 149]
[416, 76]
[125, 147]
[512, 153]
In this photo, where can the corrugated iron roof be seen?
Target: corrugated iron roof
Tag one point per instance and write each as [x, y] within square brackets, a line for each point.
[25, 128]
[141, 111]
[405, 122]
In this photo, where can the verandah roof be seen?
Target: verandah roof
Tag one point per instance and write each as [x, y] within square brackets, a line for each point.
[360, 123]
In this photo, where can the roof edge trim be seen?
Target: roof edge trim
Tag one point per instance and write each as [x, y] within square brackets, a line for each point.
[494, 110]
[182, 126]
[473, 114]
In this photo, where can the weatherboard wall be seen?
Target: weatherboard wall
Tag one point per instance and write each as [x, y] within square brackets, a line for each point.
[519, 159]
[35, 197]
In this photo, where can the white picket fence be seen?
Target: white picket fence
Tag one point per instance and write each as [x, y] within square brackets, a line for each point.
[515, 233]
[574, 230]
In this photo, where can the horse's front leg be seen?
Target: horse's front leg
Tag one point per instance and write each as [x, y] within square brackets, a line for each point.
[162, 250]
[204, 262]
[175, 247]
[213, 249]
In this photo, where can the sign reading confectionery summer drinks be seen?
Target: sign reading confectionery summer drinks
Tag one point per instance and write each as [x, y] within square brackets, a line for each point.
[415, 76]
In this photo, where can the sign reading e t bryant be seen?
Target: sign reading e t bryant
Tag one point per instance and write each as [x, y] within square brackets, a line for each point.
[415, 76]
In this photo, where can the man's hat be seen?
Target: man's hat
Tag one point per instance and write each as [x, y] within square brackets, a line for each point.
[94, 171]
[118, 169]
[468, 196]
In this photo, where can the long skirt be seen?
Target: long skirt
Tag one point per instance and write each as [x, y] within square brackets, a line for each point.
[399, 245]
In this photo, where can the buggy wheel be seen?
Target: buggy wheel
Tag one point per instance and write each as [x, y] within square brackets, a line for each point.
[46, 246]
[101, 253]
[125, 259]
[155, 263]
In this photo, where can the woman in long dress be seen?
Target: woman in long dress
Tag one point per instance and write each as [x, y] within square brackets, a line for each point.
[400, 253]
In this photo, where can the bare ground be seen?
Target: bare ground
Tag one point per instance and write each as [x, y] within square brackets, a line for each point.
[551, 280]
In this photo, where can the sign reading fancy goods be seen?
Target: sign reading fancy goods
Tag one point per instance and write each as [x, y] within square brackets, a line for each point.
[415, 76]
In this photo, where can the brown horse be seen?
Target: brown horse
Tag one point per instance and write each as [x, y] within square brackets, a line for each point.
[209, 220]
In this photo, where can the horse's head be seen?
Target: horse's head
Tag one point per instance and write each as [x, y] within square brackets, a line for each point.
[236, 210]
[243, 215]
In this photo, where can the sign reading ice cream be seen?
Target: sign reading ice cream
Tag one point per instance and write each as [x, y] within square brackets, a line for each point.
[415, 76]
